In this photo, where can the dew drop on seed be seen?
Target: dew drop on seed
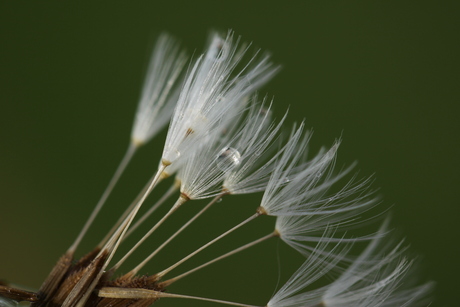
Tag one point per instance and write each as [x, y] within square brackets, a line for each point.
[228, 158]
[175, 154]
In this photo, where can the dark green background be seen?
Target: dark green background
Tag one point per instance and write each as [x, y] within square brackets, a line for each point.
[383, 74]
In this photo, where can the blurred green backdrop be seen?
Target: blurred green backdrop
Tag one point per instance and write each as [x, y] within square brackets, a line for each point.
[383, 74]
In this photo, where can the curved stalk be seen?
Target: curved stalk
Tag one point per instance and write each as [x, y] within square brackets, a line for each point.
[152, 209]
[79, 296]
[180, 201]
[144, 262]
[116, 176]
[237, 250]
[130, 293]
[164, 272]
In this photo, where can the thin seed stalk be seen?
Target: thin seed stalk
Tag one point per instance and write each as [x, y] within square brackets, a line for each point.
[164, 272]
[144, 262]
[116, 176]
[79, 299]
[236, 250]
[180, 201]
[130, 293]
[130, 208]
[168, 194]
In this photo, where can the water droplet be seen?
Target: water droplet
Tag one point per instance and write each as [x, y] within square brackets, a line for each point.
[228, 158]
[319, 174]
[219, 200]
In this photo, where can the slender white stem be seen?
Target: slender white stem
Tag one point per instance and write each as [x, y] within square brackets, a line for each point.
[168, 194]
[144, 262]
[130, 293]
[236, 250]
[130, 209]
[180, 201]
[121, 230]
[164, 294]
[164, 272]
[112, 245]
[116, 176]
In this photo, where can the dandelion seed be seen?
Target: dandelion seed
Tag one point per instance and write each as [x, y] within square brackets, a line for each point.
[256, 139]
[210, 94]
[153, 113]
[373, 279]
[160, 91]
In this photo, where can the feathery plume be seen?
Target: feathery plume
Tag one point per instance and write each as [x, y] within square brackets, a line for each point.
[210, 93]
[160, 91]
[255, 143]
[374, 279]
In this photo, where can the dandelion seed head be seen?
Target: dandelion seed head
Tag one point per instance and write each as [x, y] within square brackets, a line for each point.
[222, 140]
